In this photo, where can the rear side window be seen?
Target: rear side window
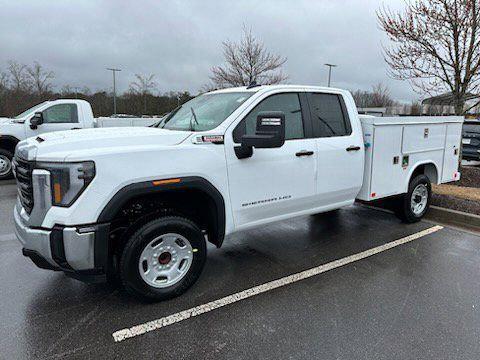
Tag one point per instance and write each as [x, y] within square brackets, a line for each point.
[329, 115]
[289, 103]
[60, 114]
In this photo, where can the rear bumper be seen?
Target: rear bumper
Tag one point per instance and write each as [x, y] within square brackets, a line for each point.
[79, 251]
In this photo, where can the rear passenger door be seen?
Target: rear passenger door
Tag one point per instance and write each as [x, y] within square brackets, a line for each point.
[276, 182]
[340, 150]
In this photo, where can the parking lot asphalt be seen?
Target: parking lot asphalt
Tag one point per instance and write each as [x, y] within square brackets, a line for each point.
[416, 300]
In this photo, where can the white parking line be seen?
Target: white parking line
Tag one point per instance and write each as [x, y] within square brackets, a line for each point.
[141, 329]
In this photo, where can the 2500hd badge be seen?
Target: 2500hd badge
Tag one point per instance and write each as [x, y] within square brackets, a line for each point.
[267, 200]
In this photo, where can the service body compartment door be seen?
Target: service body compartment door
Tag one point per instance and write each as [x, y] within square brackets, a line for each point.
[387, 174]
[452, 152]
[423, 138]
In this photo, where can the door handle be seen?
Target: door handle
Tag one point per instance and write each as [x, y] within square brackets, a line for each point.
[75, 128]
[304, 153]
[353, 148]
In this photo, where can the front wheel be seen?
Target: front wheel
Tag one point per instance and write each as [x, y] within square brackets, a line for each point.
[163, 258]
[412, 206]
[5, 164]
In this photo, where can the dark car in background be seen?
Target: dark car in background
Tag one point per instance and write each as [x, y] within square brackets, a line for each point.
[471, 140]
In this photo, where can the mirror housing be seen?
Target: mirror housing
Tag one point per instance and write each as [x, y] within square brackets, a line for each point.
[36, 120]
[269, 133]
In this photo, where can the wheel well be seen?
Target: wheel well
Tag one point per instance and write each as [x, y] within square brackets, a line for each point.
[193, 204]
[8, 143]
[429, 170]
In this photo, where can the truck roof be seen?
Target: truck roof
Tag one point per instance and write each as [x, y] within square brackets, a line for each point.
[276, 87]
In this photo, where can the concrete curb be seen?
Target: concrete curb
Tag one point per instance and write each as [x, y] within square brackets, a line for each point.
[453, 217]
[448, 217]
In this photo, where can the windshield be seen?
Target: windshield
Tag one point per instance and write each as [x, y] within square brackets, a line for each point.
[205, 112]
[31, 110]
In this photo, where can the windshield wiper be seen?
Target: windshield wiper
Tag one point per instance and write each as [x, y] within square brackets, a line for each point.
[194, 117]
[168, 117]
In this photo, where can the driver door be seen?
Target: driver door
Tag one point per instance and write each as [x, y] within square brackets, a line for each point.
[56, 118]
[273, 183]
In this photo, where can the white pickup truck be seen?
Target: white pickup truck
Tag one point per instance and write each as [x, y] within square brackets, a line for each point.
[51, 116]
[140, 203]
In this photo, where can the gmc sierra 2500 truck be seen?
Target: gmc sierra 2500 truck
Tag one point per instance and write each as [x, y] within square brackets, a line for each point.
[56, 115]
[140, 203]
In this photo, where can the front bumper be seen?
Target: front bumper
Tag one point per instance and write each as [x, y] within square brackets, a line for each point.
[79, 251]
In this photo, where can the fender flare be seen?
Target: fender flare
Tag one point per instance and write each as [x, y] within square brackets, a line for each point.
[131, 191]
[415, 167]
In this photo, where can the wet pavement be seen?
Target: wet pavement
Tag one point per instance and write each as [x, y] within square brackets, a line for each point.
[417, 300]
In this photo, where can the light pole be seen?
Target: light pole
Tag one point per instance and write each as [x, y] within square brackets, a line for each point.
[330, 72]
[114, 90]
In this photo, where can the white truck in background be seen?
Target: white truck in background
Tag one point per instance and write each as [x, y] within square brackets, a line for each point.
[52, 116]
[141, 203]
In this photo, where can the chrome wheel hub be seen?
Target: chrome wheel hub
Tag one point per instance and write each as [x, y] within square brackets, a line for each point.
[419, 199]
[165, 260]
[5, 165]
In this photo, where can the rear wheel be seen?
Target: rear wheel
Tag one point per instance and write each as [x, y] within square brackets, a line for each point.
[412, 206]
[163, 258]
[5, 164]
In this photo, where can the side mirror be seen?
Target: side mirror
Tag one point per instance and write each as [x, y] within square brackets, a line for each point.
[269, 133]
[36, 120]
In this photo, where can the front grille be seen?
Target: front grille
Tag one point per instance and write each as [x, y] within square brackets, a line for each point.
[23, 174]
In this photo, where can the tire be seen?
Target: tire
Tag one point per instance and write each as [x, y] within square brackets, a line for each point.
[158, 243]
[419, 192]
[5, 164]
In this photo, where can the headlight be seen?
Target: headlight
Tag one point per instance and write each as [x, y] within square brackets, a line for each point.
[68, 180]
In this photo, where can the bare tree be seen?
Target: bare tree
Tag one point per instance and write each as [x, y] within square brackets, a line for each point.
[18, 76]
[143, 85]
[66, 90]
[378, 97]
[435, 46]
[4, 81]
[416, 108]
[381, 96]
[247, 62]
[40, 78]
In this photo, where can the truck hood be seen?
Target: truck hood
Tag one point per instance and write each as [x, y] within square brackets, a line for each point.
[60, 145]
[4, 120]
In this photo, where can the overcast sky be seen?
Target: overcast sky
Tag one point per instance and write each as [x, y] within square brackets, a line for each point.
[179, 41]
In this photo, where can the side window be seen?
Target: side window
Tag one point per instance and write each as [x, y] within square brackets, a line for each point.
[289, 103]
[60, 114]
[329, 115]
